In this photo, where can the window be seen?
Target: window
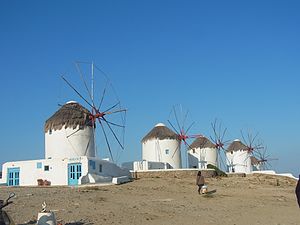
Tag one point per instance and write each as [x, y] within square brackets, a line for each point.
[78, 171]
[167, 151]
[92, 164]
[39, 165]
[50, 131]
[100, 168]
[46, 168]
[194, 151]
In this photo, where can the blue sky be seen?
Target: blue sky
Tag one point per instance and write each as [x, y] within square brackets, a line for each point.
[237, 61]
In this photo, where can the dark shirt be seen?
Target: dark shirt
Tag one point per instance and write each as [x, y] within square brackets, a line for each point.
[200, 180]
[298, 191]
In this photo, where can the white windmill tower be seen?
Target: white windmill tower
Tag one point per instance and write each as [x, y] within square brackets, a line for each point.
[201, 153]
[162, 145]
[69, 132]
[238, 158]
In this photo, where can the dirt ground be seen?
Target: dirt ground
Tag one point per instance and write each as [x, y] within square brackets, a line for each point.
[255, 199]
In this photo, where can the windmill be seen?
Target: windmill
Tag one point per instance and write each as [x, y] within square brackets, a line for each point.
[263, 160]
[180, 117]
[218, 139]
[254, 145]
[242, 153]
[105, 107]
[201, 153]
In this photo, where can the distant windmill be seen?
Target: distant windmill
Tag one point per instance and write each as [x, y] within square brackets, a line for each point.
[242, 153]
[218, 139]
[252, 142]
[180, 117]
[201, 153]
[263, 160]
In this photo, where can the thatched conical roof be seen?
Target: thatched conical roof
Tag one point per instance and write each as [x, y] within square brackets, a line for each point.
[254, 161]
[202, 142]
[69, 115]
[237, 145]
[160, 131]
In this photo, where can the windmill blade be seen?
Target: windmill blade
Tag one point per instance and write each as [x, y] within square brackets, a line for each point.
[184, 119]
[213, 125]
[70, 85]
[106, 140]
[102, 97]
[178, 146]
[112, 131]
[260, 155]
[190, 127]
[73, 133]
[112, 107]
[186, 144]
[213, 140]
[84, 82]
[256, 135]
[176, 118]
[223, 135]
[220, 131]
[87, 146]
[243, 137]
[114, 124]
[173, 127]
[272, 159]
[100, 70]
[116, 111]
[268, 164]
[195, 136]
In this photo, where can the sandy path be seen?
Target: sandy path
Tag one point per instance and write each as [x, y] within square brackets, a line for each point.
[252, 200]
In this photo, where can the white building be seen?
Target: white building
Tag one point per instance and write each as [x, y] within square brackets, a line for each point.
[70, 157]
[201, 153]
[238, 158]
[161, 146]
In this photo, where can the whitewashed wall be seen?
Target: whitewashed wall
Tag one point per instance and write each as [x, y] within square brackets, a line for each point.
[106, 168]
[58, 145]
[155, 151]
[57, 174]
[201, 157]
[239, 160]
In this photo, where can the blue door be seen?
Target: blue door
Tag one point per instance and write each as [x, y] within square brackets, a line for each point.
[13, 176]
[74, 172]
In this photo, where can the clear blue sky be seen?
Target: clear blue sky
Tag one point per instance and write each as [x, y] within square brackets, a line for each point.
[237, 61]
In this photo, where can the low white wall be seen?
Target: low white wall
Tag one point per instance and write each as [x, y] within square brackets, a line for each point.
[57, 174]
[58, 170]
[146, 165]
[106, 168]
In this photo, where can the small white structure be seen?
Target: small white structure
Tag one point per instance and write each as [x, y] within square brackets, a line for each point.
[201, 153]
[145, 165]
[162, 145]
[69, 154]
[238, 158]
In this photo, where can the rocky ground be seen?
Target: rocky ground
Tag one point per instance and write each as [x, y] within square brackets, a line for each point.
[255, 199]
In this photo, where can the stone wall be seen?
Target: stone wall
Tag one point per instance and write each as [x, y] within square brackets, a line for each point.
[172, 173]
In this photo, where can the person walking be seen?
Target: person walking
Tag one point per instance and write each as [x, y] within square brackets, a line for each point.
[298, 191]
[200, 181]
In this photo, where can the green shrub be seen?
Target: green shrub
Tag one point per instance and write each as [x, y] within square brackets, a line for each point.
[219, 172]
